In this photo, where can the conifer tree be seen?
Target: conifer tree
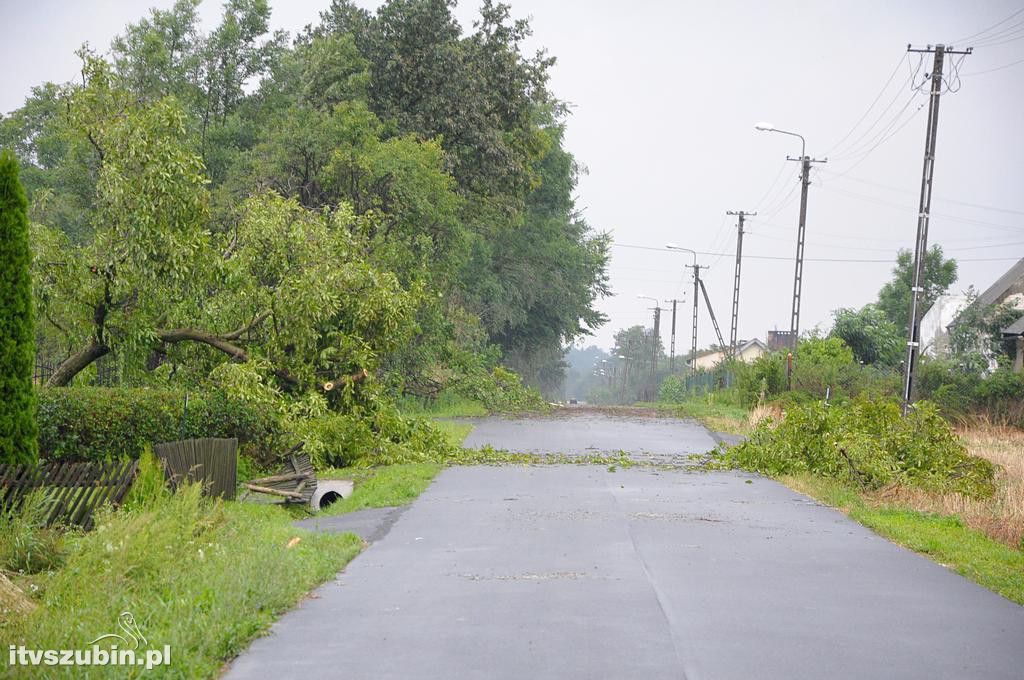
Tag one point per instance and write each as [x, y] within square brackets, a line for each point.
[18, 430]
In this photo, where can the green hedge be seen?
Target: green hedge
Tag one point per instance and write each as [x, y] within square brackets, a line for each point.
[96, 423]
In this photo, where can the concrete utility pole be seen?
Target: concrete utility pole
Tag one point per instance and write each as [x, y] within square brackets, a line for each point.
[672, 351]
[655, 340]
[925, 206]
[696, 294]
[736, 278]
[798, 274]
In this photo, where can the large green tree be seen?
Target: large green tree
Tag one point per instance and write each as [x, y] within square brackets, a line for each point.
[894, 297]
[867, 331]
[18, 430]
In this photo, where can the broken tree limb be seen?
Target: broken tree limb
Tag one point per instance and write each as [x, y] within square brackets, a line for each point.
[355, 377]
[275, 492]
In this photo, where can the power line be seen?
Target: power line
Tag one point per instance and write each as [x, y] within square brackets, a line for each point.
[860, 120]
[986, 30]
[890, 260]
[980, 206]
[900, 206]
[997, 68]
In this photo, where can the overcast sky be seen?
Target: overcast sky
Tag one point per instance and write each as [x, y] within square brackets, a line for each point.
[665, 95]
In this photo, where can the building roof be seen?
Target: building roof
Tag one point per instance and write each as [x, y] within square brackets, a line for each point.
[744, 346]
[1015, 328]
[1002, 284]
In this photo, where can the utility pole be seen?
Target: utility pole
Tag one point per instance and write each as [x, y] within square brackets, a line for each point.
[798, 274]
[696, 293]
[672, 351]
[736, 278]
[654, 341]
[921, 244]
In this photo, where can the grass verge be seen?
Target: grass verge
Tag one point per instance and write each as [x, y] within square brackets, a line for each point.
[455, 433]
[383, 486]
[944, 538]
[445, 405]
[203, 577]
[714, 415]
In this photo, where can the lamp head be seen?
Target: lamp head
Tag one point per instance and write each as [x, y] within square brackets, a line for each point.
[764, 127]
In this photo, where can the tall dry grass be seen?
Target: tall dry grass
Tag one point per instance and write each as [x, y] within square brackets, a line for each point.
[1002, 516]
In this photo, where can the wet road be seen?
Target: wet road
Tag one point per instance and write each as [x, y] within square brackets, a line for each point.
[579, 572]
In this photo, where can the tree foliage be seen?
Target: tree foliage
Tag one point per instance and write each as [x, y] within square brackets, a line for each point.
[894, 297]
[383, 203]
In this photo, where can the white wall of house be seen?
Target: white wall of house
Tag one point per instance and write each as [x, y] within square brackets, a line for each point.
[934, 336]
[748, 353]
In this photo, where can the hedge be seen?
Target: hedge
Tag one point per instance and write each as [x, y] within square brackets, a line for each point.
[98, 423]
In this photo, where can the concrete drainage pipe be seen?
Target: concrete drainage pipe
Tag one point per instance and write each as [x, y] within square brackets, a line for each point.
[329, 491]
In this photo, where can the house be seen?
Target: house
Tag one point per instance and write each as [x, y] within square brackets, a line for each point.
[936, 322]
[746, 351]
[948, 309]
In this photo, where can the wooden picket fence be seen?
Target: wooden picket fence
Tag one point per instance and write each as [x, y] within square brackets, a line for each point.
[72, 491]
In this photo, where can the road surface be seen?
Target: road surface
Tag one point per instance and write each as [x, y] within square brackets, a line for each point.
[580, 572]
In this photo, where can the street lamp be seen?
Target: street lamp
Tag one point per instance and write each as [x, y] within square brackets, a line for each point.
[798, 274]
[768, 127]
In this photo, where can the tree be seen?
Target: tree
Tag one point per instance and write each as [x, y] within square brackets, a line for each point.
[18, 430]
[976, 342]
[894, 297]
[867, 331]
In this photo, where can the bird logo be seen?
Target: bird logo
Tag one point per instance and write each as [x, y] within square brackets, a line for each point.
[126, 622]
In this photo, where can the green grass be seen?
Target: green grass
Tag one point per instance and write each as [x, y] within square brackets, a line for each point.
[446, 405]
[943, 538]
[715, 415]
[456, 433]
[382, 487]
[202, 577]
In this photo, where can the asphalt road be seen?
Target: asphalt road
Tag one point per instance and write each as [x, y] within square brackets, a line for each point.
[579, 572]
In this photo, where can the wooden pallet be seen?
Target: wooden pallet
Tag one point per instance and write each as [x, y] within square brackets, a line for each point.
[73, 491]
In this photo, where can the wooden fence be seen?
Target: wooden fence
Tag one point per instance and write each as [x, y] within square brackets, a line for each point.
[211, 461]
[72, 491]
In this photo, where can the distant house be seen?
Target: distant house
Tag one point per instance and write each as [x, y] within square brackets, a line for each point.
[948, 309]
[936, 322]
[746, 352]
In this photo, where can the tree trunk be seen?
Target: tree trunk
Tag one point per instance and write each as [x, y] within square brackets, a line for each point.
[76, 363]
[196, 335]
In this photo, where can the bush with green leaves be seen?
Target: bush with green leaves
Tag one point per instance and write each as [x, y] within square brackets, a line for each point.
[499, 390]
[960, 393]
[763, 377]
[867, 443]
[100, 423]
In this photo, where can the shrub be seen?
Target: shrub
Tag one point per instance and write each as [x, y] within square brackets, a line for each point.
[499, 390]
[764, 377]
[98, 423]
[18, 433]
[867, 443]
[673, 390]
[364, 438]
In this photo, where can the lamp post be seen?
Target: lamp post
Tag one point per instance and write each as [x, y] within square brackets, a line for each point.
[798, 275]
[696, 292]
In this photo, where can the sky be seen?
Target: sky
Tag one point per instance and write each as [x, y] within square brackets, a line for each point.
[664, 98]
